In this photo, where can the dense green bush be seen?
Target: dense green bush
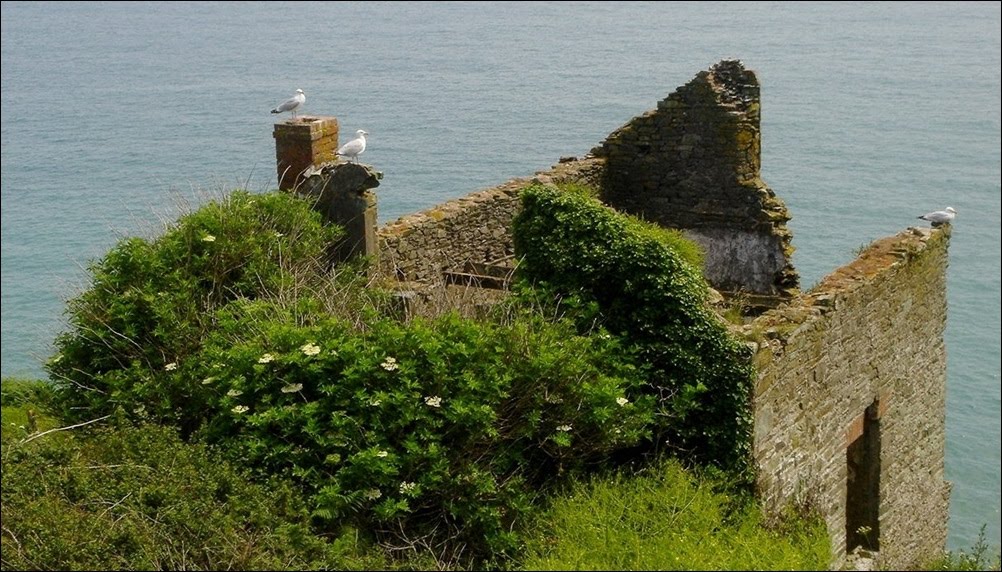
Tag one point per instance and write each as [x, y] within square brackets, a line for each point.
[430, 433]
[664, 518]
[140, 499]
[151, 302]
[437, 432]
[649, 290]
[441, 430]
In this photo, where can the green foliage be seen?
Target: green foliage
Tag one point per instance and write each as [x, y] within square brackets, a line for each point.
[642, 282]
[140, 499]
[979, 557]
[439, 430]
[16, 391]
[437, 436]
[666, 519]
[25, 407]
[433, 433]
[151, 302]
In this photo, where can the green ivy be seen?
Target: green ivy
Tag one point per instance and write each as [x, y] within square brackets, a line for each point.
[646, 285]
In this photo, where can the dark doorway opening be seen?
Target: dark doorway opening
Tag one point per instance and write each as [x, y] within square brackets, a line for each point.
[862, 510]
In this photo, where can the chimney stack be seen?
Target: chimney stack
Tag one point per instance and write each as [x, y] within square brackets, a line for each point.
[301, 143]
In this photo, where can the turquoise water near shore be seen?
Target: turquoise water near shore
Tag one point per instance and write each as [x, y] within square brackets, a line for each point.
[872, 114]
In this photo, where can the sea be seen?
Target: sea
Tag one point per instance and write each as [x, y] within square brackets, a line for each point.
[116, 116]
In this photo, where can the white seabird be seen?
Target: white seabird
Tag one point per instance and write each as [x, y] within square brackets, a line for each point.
[940, 217]
[292, 104]
[355, 147]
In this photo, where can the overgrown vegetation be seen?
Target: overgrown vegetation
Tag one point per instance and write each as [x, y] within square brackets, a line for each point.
[439, 439]
[152, 302]
[137, 498]
[439, 432]
[25, 405]
[665, 518]
[647, 288]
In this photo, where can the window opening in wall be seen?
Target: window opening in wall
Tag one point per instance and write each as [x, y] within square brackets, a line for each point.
[862, 511]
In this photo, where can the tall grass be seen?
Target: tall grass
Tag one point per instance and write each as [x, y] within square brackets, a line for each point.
[137, 498]
[665, 518]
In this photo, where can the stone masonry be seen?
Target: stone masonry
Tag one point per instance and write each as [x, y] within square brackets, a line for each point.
[861, 352]
[300, 144]
[417, 249]
[693, 164]
[341, 192]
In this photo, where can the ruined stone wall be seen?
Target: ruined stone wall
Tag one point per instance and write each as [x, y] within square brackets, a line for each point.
[418, 248]
[870, 335]
[693, 164]
[863, 350]
[421, 246]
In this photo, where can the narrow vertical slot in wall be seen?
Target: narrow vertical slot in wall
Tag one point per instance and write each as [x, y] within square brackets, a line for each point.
[862, 511]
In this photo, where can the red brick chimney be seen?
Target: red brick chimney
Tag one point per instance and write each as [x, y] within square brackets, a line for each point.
[301, 143]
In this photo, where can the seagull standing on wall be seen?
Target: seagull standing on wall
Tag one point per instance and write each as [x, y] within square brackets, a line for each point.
[940, 217]
[355, 147]
[292, 104]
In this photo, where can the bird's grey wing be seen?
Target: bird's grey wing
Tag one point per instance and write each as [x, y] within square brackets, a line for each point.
[349, 148]
[287, 104]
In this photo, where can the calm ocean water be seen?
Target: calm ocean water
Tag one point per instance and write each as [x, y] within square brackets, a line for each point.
[872, 113]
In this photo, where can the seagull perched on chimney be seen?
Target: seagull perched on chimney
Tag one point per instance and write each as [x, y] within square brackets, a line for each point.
[291, 104]
[355, 147]
[938, 218]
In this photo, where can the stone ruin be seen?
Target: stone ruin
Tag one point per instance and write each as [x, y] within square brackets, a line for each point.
[849, 399]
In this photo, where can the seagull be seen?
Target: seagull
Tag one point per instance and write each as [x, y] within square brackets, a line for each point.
[291, 104]
[940, 217]
[355, 147]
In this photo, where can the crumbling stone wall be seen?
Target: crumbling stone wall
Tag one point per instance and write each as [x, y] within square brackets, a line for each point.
[870, 335]
[421, 246]
[418, 248]
[694, 164]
